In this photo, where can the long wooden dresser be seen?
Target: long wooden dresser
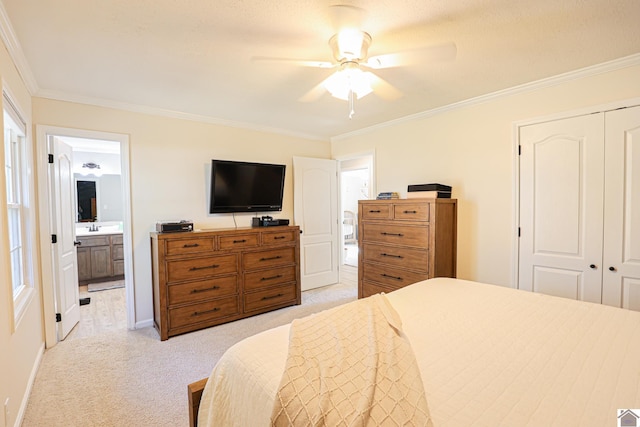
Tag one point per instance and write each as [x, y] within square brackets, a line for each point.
[403, 241]
[204, 278]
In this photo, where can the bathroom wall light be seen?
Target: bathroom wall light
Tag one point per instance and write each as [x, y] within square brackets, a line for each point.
[94, 168]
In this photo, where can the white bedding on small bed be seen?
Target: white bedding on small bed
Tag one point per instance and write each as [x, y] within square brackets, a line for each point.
[488, 356]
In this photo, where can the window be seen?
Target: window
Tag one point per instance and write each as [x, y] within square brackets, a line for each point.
[16, 165]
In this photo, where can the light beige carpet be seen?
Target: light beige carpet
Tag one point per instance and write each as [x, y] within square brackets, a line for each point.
[131, 378]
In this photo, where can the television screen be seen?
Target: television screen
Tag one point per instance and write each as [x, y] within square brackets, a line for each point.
[246, 187]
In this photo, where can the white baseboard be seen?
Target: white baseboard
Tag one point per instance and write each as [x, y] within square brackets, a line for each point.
[27, 392]
[144, 324]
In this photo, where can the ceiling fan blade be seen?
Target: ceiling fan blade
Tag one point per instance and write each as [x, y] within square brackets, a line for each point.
[293, 61]
[441, 52]
[314, 94]
[383, 89]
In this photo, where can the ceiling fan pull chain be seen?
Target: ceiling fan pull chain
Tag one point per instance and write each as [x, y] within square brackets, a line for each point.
[351, 110]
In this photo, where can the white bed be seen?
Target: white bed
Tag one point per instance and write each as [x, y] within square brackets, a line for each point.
[488, 356]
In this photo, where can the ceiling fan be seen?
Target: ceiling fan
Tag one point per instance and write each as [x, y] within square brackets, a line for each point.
[350, 48]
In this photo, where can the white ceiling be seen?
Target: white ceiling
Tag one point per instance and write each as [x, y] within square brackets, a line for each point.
[195, 57]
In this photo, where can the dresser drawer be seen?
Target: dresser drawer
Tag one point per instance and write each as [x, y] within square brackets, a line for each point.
[408, 235]
[392, 277]
[369, 288]
[189, 246]
[197, 268]
[268, 297]
[203, 289]
[279, 237]
[376, 211]
[203, 312]
[411, 212]
[416, 259]
[239, 241]
[116, 239]
[264, 278]
[270, 258]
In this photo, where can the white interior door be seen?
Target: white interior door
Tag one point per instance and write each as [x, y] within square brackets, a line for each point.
[64, 251]
[621, 260]
[561, 207]
[315, 199]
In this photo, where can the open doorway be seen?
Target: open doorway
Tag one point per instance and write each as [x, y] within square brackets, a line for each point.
[100, 229]
[356, 180]
[99, 235]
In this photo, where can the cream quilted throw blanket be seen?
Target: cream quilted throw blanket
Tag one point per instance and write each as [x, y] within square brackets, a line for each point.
[351, 366]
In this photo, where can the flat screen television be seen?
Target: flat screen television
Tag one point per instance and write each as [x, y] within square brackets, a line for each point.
[245, 187]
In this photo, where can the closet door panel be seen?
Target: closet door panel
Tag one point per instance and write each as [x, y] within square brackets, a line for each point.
[561, 207]
[621, 256]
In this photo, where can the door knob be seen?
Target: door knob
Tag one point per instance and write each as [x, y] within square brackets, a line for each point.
[612, 268]
[593, 266]
[76, 243]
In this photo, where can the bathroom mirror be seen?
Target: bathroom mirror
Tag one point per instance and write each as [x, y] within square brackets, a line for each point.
[87, 201]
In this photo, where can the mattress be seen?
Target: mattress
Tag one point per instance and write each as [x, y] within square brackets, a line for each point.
[488, 356]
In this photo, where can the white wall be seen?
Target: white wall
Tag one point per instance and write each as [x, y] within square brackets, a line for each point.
[21, 344]
[170, 162]
[472, 149]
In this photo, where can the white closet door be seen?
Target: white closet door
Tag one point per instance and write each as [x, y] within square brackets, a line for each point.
[561, 207]
[621, 260]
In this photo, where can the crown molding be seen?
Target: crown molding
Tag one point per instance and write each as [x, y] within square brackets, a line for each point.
[616, 64]
[12, 44]
[143, 109]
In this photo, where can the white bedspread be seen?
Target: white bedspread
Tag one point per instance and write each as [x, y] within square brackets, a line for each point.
[488, 356]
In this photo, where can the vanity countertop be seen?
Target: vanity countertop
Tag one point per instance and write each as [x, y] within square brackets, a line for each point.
[83, 232]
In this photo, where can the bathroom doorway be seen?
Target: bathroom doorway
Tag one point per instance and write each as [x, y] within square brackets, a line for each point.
[101, 208]
[99, 235]
[356, 180]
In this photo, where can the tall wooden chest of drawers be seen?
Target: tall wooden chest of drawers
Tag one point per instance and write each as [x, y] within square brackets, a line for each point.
[403, 241]
[204, 278]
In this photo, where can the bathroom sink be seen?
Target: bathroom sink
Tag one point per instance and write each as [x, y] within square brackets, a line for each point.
[102, 229]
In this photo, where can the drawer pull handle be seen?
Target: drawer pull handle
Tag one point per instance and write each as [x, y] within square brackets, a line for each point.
[272, 277]
[392, 234]
[199, 313]
[204, 268]
[378, 211]
[240, 241]
[193, 245]
[279, 237]
[213, 288]
[272, 297]
[392, 256]
[410, 212]
[271, 258]
[391, 277]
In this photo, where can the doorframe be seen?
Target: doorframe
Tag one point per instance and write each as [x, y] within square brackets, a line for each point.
[371, 156]
[515, 246]
[45, 207]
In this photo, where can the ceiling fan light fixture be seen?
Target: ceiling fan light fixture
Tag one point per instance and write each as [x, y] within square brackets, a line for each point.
[350, 45]
[350, 79]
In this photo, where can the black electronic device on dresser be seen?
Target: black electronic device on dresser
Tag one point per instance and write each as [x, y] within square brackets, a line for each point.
[174, 226]
[267, 221]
